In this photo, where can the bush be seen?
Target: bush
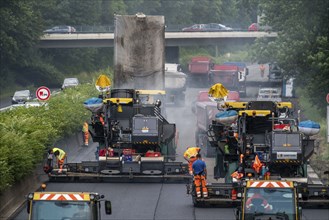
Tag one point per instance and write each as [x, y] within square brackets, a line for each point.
[26, 133]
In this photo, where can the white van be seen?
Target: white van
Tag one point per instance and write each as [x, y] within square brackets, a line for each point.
[269, 94]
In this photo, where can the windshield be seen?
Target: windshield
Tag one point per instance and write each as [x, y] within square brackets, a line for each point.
[71, 81]
[65, 210]
[226, 78]
[276, 202]
[22, 93]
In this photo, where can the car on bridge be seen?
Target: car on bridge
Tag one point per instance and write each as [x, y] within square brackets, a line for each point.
[257, 27]
[60, 30]
[212, 27]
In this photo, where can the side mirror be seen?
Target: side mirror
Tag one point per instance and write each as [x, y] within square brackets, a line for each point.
[158, 103]
[28, 206]
[108, 207]
[299, 212]
[237, 212]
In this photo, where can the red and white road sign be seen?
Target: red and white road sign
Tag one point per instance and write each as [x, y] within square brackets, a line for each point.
[43, 93]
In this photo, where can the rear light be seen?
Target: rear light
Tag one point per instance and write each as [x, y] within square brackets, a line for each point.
[233, 194]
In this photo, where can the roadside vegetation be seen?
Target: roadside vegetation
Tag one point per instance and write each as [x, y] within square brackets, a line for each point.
[301, 49]
[27, 133]
[320, 158]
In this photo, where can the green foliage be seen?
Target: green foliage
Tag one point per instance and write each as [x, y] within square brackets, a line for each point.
[25, 134]
[22, 23]
[311, 113]
[301, 48]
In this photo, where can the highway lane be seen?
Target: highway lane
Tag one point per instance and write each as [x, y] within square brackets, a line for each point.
[155, 201]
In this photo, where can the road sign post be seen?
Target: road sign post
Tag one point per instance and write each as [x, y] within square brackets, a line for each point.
[43, 93]
[327, 118]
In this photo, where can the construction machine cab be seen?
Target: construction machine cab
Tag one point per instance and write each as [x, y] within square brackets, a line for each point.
[276, 199]
[66, 205]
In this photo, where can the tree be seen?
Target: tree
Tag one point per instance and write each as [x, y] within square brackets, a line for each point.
[21, 27]
[301, 47]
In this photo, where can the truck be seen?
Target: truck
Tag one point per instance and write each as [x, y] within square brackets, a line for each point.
[205, 110]
[269, 147]
[275, 75]
[198, 70]
[136, 142]
[241, 65]
[66, 205]
[175, 84]
[231, 76]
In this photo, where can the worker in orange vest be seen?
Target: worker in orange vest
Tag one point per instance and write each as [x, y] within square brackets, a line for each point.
[262, 70]
[200, 175]
[85, 133]
[190, 156]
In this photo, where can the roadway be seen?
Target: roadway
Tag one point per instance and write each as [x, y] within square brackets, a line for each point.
[156, 201]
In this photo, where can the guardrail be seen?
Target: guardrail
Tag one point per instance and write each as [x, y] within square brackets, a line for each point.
[110, 29]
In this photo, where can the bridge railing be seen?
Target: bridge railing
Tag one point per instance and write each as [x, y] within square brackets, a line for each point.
[110, 28]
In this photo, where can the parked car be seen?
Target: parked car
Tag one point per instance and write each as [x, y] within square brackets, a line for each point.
[70, 82]
[22, 96]
[269, 94]
[60, 29]
[212, 27]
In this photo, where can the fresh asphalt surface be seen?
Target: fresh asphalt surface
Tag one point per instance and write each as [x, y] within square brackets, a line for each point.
[156, 201]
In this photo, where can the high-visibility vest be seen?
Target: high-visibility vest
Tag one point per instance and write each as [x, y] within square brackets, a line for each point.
[61, 155]
[85, 127]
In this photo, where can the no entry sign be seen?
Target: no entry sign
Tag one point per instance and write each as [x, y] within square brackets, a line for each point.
[43, 93]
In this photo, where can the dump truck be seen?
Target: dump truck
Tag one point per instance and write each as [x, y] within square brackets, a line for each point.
[231, 76]
[269, 147]
[136, 142]
[198, 70]
[66, 205]
[175, 84]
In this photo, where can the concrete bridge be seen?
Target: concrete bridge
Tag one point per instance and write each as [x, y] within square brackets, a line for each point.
[173, 40]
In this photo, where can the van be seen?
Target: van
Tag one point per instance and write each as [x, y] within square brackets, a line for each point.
[269, 94]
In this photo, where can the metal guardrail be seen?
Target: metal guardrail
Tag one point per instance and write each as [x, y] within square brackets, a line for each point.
[110, 29]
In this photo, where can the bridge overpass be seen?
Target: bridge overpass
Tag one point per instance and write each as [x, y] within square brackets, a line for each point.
[173, 40]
